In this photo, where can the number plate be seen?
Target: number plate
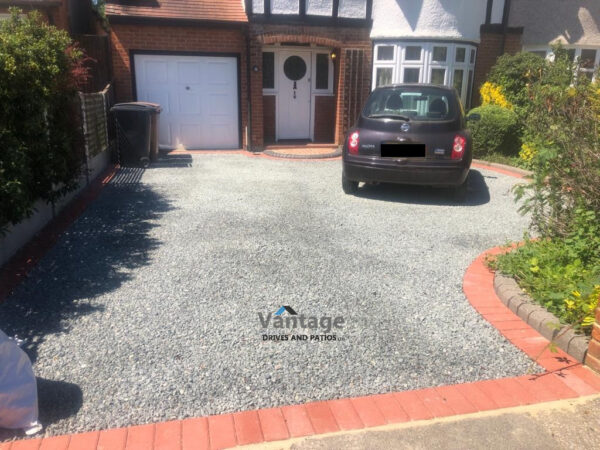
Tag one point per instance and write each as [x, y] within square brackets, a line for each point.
[402, 150]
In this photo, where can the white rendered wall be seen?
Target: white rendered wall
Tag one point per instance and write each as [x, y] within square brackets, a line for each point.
[355, 9]
[430, 19]
[497, 11]
[285, 6]
[319, 7]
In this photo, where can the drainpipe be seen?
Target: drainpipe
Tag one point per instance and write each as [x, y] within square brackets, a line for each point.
[248, 89]
[505, 17]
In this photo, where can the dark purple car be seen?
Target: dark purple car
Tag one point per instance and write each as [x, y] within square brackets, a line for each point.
[409, 134]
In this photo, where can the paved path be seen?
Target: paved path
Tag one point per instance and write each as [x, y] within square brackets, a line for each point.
[567, 424]
[147, 308]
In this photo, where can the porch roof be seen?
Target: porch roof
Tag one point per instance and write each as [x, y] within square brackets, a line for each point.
[209, 10]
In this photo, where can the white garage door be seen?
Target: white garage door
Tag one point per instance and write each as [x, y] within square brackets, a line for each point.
[198, 95]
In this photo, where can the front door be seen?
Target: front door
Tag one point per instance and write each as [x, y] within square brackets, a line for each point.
[293, 106]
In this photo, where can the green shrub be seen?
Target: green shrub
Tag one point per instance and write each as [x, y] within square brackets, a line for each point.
[40, 135]
[498, 131]
[559, 112]
[556, 277]
[514, 73]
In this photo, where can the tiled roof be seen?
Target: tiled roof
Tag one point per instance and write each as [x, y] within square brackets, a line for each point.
[213, 10]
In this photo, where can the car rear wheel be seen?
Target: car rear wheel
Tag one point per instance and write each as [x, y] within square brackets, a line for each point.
[349, 186]
[459, 193]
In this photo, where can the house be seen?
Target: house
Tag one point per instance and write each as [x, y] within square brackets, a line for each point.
[230, 73]
[250, 73]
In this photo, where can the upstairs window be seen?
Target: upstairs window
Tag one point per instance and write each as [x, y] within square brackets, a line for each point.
[385, 53]
[439, 54]
[413, 53]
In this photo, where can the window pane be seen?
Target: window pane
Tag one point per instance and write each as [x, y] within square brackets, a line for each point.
[588, 58]
[587, 73]
[384, 76]
[458, 80]
[424, 103]
[322, 71]
[385, 53]
[473, 56]
[571, 54]
[438, 76]
[268, 70]
[413, 53]
[460, 54]
[469, 89]
[411, 75]
[439, 54]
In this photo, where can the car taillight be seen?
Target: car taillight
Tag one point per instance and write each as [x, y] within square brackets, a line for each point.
[459, 146]
[353, 140]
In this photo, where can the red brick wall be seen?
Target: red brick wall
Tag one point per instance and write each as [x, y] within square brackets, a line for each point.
[592, 358]
[269, 110]
[325, 119]
[493, 44]
[175, 39]
[350, 87]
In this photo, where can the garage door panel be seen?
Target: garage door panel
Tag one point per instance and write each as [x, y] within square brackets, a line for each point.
[156, 72]
[189, 73]
[190, 103]
[221, 104]
[198, 95]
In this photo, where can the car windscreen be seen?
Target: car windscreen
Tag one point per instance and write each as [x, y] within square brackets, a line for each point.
[411, 103]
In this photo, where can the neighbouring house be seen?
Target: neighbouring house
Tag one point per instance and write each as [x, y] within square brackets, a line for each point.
[250, 73]
[79, 18]
[75, 16]
[574, 24]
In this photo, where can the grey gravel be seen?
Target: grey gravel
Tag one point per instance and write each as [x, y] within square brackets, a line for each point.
[147, 308]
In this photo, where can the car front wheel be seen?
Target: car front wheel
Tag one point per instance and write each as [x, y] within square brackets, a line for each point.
[349, 186]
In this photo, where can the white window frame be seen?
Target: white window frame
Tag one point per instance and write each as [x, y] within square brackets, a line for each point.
[577, 48]
[386, 61]
[426, 63]
[330, 75]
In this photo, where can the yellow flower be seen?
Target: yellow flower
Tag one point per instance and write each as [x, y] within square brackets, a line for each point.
[527, 152]
[570, 304]
[491, 94]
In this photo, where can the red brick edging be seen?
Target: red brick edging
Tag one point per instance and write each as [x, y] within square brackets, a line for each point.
[563, 379]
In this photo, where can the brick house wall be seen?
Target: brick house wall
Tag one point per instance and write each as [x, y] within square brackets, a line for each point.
[175, 38]
[354, 49]
[495, 41]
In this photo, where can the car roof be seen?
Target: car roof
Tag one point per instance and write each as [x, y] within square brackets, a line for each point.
[416, 85]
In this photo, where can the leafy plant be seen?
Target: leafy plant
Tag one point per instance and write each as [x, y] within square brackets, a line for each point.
[40, 136]
[498, 131]
[551, 272]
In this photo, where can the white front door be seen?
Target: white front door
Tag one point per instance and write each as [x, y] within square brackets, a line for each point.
[293, 99]
[198, 95]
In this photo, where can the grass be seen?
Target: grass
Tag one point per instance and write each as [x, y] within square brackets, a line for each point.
[499, 158]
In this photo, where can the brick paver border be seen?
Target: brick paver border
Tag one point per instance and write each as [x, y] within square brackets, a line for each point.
[563, 379]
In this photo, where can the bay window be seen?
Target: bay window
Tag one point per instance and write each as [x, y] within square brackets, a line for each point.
[442, 63]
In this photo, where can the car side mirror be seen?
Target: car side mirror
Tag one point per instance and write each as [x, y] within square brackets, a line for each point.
[473, 117]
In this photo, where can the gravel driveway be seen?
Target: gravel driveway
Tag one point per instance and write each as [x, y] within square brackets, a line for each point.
[147, 308]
